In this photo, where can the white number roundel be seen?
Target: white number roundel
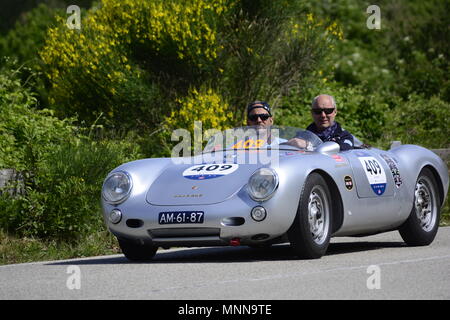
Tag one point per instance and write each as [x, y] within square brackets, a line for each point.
[209, 171]
[374, 173]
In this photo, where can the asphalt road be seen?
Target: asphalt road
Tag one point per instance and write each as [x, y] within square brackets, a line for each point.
[375, 267]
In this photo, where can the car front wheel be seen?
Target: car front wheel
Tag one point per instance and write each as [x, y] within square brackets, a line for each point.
[137, 252]
[311, 231]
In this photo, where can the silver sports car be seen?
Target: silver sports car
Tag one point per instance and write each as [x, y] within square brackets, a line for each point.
[249, 186]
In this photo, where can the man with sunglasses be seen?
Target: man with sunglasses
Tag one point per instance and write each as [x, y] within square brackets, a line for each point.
[258, 114]
[323, 110]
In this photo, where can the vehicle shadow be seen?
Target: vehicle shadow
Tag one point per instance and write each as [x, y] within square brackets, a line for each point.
[233, 254]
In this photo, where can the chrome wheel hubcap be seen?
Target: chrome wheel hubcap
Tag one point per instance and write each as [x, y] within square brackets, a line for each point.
[318, 214]
[424, 203]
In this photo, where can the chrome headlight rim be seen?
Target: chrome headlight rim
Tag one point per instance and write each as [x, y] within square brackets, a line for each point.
[274, 188]
[126, 195]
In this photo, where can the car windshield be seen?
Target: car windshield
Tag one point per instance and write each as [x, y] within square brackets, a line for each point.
[257, 137]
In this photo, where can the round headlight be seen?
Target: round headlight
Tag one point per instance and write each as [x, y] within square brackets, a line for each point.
[117, 187]
[262, 184]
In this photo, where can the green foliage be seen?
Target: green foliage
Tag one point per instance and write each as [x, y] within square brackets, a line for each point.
[112, 64]
[63, 169]
[271, 48]
[418, 38]
[14, 11]
[422, 121]
[136, 59]
[63, 200]
[28, 134]
[28, 36]
[26, 39]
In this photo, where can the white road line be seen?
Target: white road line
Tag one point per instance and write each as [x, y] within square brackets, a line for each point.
[55, 262]
[296, 274]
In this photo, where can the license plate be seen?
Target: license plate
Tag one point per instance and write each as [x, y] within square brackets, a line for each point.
[181, 217]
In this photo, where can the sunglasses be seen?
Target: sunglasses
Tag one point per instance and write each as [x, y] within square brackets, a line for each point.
[262, 116]
[319, 111]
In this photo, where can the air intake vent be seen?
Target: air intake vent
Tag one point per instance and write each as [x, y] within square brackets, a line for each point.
[234, 221]
[184, 232]
[135, 223]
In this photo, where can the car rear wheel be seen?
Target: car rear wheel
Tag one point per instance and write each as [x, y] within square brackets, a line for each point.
[311, 231]
[137, 252]
[421, 227]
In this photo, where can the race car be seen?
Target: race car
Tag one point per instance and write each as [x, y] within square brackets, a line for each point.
[250, 187]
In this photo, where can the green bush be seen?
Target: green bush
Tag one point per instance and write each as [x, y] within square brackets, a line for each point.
[135, 59]
[128, 57]
[408, 54]
[270, 49]
[28, 134]
[63, 168]
[28, 35]
[64, 200]
[420, 121]
[24, 41]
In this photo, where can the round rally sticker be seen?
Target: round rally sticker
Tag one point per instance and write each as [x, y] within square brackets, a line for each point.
[375, 174]
[209, 171]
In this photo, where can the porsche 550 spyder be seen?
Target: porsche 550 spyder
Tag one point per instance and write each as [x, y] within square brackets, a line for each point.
[250, 187]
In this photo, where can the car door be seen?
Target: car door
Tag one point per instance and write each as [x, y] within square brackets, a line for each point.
[371, 174]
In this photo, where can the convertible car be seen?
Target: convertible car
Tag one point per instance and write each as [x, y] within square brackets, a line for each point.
[250, 187]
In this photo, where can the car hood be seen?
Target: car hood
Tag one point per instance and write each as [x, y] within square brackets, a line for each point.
[199, 184]
[190, 184]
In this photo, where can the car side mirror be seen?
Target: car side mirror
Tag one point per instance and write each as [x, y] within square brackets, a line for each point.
[328, 148]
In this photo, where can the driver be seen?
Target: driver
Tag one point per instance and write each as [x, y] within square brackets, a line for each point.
[258, 114]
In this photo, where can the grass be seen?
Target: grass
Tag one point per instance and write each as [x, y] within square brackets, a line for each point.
[21, 250]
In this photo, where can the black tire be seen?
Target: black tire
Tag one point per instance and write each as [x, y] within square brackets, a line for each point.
[310, 232]
[137, 252]
[422, 225]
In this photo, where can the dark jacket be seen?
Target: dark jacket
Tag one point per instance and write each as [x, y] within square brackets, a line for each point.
[334, 133]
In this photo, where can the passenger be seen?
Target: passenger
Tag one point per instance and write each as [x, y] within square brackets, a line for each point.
[323, 110]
